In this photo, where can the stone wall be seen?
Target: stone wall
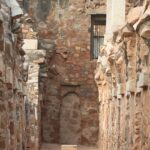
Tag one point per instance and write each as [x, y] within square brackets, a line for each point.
[12, 85]
[35, 58]
[19, 80]
[63, 31]
[123, 79]
[133, 3]
[68, 75]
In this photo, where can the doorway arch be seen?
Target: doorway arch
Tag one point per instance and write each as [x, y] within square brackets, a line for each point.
[70, 119]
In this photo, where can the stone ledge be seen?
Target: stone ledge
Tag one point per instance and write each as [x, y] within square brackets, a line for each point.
[63, 83]
[69, 147]
[95, 11]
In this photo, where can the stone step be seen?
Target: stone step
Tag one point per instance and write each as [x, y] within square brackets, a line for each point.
[63, 147]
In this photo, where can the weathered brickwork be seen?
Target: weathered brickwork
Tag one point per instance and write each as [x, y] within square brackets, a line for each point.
[34, 58]
[19, 72]
[47, 88]
[69, 111]
[67, 88]
[12, 85]
[123, 82]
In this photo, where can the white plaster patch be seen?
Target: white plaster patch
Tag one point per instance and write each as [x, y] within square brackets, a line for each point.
[30, 44]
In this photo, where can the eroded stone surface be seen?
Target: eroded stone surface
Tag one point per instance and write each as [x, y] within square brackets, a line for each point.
[12, 109]
[50, 95]
[123, 113]
[68, 75]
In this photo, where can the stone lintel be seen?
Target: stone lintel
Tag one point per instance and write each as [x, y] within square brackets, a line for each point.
[95, 11]
[63, 83]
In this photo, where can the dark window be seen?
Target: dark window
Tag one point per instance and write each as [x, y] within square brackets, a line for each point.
[98, 24]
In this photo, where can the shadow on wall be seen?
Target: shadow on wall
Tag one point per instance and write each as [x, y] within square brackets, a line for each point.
[43, 9]
[45, 6]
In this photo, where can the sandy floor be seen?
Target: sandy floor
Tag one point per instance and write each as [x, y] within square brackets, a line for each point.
[58, 147]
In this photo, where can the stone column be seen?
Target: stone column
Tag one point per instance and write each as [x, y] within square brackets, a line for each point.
[34, 57]
[108, 20]
[115, 16]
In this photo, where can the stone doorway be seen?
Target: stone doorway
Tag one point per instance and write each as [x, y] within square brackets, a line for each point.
[70, 119]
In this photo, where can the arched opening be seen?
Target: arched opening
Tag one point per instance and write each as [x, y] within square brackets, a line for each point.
[70, 120]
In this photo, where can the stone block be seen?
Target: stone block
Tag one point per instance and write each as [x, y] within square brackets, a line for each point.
[20, 90]
[8, 48]
[16, 83]
[15, 8]
[69, 147]
[114, 92]
[36, 56]
[104, 61]
[24, 89]
[144, 80]
[30, 44]
[144, 30]
[126, 31]
[120, 89]
[131, 86]
[134, 14]
[9, 75]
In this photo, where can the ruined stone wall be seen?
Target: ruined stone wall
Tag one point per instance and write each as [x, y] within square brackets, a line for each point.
[133, 3]
[19, 72]
[69, 106]
[34, 58]
[69, 112]
[123, 80]
[12, 84]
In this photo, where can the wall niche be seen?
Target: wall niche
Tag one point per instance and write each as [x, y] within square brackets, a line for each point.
[70, 119]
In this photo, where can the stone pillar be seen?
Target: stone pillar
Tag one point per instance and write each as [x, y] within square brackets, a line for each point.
[108, 20]
[115, 16]
[12, 116]
[34, 57]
